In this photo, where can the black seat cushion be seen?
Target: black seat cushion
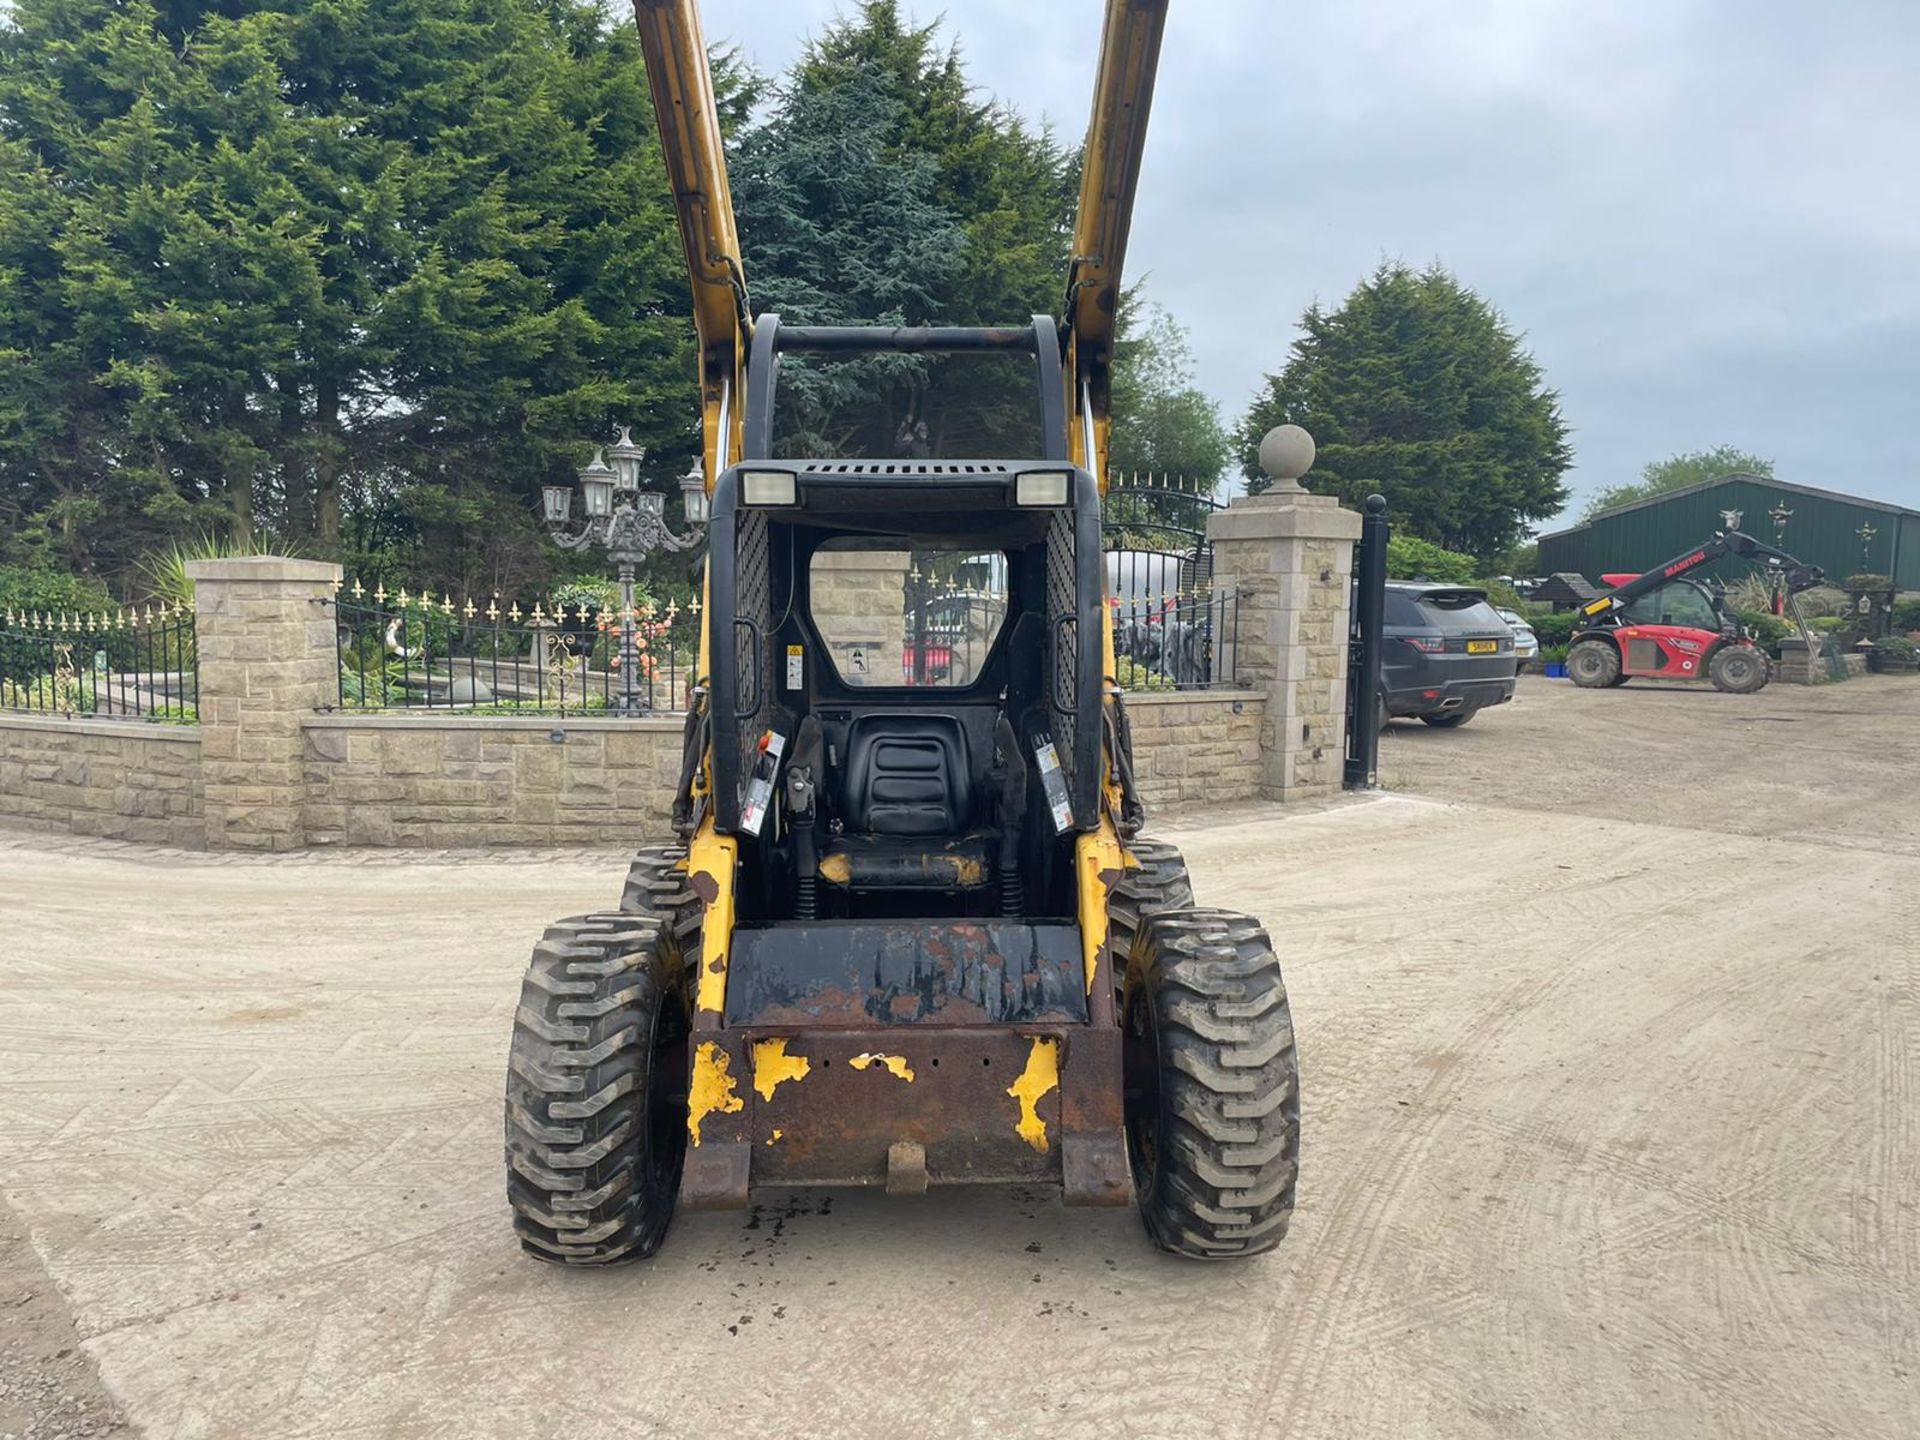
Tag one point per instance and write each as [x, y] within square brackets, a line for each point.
[888, 862]
[907, 775]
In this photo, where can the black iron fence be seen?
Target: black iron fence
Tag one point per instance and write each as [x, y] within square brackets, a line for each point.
[1365, 631]
[138, 662]
[1173, 628]
[401, 651]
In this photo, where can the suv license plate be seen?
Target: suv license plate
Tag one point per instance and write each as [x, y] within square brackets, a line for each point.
[1482, 647]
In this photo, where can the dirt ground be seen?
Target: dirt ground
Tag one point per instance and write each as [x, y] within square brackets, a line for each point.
[1828, 764]
[1609, 1061]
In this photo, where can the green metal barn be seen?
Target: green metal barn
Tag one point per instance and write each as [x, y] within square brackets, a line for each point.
[1824, 529]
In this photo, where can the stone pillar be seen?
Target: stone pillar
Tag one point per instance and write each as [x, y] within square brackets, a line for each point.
[267, 660]
[859, 604]
[1287, 558]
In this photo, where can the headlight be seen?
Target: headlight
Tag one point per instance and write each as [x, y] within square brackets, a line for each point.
[769, 487]
[1042, 487]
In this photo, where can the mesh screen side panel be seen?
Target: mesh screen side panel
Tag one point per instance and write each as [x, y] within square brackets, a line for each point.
[753, 648]
[1062, 635]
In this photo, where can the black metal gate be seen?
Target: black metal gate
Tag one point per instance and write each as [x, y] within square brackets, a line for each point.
[1366, 619]
[1170, 628]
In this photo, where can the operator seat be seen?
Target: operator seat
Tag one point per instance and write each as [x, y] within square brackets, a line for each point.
[907, 804]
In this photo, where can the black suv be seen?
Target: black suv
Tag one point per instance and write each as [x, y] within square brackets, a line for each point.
[1447, 653]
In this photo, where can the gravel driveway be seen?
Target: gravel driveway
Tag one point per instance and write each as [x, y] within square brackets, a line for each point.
[1609, 1063]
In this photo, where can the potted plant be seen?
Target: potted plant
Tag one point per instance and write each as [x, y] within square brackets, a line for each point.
[1894, 655]
[1553, 661]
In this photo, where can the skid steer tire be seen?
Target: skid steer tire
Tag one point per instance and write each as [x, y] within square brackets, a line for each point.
[657, 885]
[1213, 1100]
[1161, 884]
[1593, 664]
[596, 1091]
[1739, 669]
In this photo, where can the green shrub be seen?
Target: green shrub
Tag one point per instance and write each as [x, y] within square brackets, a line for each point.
[1769, 629]
[1553, 654]
[31, 588]
[1896, 647]
[1906, 615]
[1410, 558]
[1555, 629]
[1500, 593]
[1134, 677]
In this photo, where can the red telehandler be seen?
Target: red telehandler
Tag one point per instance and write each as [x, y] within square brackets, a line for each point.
[1666, 624]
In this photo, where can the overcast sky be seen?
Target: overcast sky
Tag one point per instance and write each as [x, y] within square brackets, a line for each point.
[1703, 214]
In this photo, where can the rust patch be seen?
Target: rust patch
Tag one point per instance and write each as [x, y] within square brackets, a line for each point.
[705, 886]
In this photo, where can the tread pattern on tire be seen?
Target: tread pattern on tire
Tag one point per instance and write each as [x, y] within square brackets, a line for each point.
[1609, 665]
[578, 1089]
[1762, 670]
[1228, 1133]
[657, 885]
[1159, 885]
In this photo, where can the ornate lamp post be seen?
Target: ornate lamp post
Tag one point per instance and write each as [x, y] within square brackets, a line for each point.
[629, 524]
[1866, 534]
[1781, 514]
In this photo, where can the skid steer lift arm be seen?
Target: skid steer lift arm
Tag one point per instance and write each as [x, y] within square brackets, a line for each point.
[1116, 139]
[1724, 542]
[689, 121]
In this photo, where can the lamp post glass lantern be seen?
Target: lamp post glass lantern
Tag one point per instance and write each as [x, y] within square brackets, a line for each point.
[629, 524]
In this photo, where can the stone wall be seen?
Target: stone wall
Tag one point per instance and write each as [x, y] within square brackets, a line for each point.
[121, 779]
[441, 781]
[1197, 748]
[267, 770]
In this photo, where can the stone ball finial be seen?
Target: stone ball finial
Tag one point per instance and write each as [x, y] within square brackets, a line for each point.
[1286, 453]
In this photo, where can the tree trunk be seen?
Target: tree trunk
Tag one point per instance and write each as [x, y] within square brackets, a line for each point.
[240, 491]
[296, 486]
[332, 457]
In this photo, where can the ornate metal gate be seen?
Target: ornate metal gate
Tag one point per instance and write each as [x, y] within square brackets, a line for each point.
[1171, 628]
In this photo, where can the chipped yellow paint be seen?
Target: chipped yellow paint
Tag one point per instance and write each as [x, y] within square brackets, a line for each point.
[777, 1134]
[712, 1088]
[836, 869]
[710, 868]
[1041, 1076]
[967, 870]
[895, 1063]
[1097, 855]
[772, 1065]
